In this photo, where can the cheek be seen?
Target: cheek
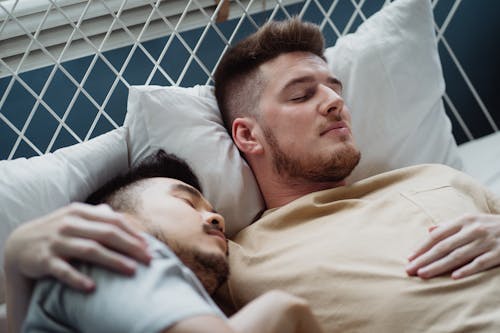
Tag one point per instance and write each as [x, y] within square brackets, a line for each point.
[184, 231]
[290, 122]
[173, 218]
[296, 116]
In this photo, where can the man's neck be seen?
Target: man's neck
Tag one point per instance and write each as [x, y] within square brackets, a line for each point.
[281, 191]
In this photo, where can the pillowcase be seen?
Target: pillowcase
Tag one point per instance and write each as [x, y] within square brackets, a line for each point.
[398, 115]
[33, 187]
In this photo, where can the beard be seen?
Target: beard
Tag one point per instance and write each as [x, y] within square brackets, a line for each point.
[314, 168]
[211, 269]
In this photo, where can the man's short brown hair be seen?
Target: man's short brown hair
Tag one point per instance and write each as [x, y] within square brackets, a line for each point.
[238, 83]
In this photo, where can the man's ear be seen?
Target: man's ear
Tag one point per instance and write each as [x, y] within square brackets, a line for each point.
[246, 135]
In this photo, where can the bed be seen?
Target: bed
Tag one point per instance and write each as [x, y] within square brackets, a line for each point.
[88, 88]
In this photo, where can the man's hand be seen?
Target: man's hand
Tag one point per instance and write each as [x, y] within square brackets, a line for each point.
[465, 246]
[94, 234]
[43, 247]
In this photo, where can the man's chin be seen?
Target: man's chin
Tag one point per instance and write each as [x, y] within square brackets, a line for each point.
[339, 166]
[212, 268]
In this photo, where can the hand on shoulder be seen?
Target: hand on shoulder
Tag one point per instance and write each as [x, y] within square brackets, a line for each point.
[94, 234]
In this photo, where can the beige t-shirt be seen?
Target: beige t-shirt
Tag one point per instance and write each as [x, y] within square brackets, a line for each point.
[345, 251]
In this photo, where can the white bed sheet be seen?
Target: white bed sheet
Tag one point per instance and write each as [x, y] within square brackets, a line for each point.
[481, 158]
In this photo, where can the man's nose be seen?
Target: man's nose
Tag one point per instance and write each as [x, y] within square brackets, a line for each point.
[331, 101]
[216, 220]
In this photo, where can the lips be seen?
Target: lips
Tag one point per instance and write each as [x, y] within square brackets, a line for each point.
[334, 126]
[218, 233]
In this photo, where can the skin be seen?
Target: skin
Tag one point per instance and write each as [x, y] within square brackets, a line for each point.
[461, 247]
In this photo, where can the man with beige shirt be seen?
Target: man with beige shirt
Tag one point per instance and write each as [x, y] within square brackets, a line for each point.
[362, 254]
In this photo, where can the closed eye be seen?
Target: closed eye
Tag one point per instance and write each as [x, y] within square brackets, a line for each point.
[304, 97]
[189, 202]
[298, 99]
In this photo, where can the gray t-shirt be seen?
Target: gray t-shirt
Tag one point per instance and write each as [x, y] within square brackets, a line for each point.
[155, 298]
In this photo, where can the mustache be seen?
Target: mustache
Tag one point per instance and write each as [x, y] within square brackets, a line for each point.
[209, 227]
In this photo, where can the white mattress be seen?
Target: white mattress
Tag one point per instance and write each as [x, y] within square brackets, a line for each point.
[481, 159]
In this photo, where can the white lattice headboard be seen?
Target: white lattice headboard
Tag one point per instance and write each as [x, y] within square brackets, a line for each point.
[66, 66]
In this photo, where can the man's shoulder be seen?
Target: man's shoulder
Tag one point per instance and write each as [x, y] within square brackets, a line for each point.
[429, 169]
[419, 170]
[158, 287]
[416, 176]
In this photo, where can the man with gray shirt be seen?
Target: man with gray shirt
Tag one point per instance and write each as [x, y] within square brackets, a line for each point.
[186, 256]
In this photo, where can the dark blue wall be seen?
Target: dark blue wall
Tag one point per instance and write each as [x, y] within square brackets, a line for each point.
[472, 34]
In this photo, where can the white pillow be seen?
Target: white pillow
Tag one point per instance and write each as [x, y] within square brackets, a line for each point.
[186, 122]
[481, 160]
[36, 186]
[393, 83]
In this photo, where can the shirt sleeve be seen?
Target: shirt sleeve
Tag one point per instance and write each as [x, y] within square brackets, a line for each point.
[155, 298]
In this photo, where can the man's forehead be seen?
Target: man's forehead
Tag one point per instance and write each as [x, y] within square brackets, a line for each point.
[295, 60]
[173, 185]
[296, 67]
[179, 186]
[176, 185]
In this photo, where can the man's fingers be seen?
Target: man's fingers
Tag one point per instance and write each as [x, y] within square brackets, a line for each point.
[122, 222]
[108, 235]
[91, 251]
[439, 250]
[479, 264]
[104, 213]
[468, 245]
[456, 258]
[66, 273]
[436, 235]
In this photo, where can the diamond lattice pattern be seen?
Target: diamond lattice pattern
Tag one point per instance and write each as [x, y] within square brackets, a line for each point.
[66, 66]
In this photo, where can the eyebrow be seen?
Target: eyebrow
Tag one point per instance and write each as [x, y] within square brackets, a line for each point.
[185, 188]
[309, 78]
[192, 191]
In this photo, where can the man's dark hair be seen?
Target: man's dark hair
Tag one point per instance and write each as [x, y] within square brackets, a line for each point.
[160, 164]
[238, 83]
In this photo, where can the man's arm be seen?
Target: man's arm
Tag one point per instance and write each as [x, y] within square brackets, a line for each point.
[18, 290]
[201, 324]
[274, 312]
[73, 232]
